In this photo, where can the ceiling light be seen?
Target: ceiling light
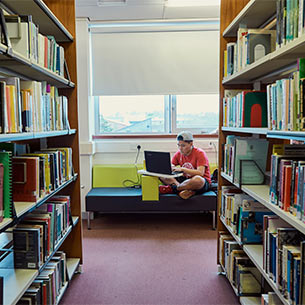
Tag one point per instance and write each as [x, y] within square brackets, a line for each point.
[192, 3]
[111, 2]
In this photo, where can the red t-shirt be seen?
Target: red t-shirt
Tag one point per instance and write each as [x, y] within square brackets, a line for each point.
[195, 159]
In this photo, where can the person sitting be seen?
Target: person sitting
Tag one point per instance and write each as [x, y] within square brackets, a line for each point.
[194, 165]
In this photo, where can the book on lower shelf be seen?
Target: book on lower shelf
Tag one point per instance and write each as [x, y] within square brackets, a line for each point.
[239, 269]
[41, 231]
[47, 286]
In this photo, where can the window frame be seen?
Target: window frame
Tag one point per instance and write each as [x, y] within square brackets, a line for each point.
[170, 123]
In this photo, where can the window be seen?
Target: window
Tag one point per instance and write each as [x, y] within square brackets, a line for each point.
[156, 114]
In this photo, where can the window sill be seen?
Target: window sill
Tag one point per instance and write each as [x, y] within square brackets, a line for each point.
[152, 136]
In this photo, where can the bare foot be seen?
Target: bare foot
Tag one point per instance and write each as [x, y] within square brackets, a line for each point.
[186, 194]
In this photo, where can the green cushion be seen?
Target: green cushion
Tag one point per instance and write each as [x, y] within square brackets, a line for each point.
[114, 175]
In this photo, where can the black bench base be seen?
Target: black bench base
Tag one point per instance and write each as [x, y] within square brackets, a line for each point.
[129, 200]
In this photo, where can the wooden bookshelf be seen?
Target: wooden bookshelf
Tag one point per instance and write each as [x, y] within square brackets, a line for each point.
[262, 9]
[49, 24]
[273, 63]
[24, 67]
[255, 253]
[72, 265]
[34, 135]
[57, 18]
[277, 64]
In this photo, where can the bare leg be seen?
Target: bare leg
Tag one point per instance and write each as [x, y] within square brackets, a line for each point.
[169, 181]
[194, 183]
[188, 187]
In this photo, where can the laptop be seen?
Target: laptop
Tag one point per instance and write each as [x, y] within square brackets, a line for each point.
[159, 163]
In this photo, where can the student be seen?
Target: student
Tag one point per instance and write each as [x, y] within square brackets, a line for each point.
[194, 164]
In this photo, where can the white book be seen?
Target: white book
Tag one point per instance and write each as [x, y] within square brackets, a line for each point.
[21, 45]
[41, 42]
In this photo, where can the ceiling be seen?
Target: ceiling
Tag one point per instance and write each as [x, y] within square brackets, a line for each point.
[143, 9]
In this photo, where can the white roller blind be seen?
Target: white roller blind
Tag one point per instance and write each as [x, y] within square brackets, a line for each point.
[155, 62]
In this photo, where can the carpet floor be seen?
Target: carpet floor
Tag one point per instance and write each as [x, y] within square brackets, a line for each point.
[155, 259]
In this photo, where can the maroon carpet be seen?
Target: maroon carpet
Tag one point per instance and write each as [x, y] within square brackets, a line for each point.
[150, 259]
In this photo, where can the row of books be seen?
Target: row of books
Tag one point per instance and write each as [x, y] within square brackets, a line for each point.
[285, 100]
[251, 45]
[244, 159]
[26, 40]
[239, 269]
[28, 177]
[289, 21]
[38, 174]
[287, 187]
[31, 106]
[283, 258]
[282, 245]
[36, 237]
[244, 108]
[243, 214]
[47, 286]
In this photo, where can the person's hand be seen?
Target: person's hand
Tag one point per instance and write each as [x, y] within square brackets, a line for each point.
[178, 168]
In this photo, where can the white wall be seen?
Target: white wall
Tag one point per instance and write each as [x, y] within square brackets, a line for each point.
[124, 151]
[85, 108]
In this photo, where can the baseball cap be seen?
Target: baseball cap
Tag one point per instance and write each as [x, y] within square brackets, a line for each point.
[185, 136]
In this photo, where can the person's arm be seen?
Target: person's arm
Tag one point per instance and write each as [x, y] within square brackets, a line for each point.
[191, 172]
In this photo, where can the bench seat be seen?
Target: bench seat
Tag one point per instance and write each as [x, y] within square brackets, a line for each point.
[122, 200]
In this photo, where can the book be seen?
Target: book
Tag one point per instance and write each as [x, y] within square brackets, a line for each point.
[26, 179]
[6, 160]
[26, 248]
[254, 111]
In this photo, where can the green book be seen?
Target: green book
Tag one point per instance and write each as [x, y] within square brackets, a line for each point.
[6, 160]
[301, 67]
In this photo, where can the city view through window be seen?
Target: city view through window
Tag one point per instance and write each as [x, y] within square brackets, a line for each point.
[148, 114]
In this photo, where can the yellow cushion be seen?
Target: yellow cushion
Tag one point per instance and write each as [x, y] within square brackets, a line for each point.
[150, 188]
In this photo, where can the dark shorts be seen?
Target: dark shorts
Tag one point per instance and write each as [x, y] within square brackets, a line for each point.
[204, 189]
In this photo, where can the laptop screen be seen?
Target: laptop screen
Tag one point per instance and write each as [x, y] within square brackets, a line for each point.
[158, 162]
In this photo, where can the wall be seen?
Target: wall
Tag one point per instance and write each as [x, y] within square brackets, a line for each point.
[124, 151]
[109, 151]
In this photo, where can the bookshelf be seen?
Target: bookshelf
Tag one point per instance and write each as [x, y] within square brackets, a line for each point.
[263, 9]
[49, 24]
[273, 66]
[56, 18]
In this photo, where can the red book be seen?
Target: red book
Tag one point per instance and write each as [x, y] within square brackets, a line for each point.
[25, 179]
[287, 187]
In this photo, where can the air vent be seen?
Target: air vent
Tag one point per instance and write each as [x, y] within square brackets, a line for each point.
[111, 2]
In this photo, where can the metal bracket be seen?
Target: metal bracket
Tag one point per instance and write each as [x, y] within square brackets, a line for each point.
[79, 269]
[240, 171]
[7, 40]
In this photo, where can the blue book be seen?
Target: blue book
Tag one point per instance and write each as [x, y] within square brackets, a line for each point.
[252, 226]
[296, 273]
[273, 255]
